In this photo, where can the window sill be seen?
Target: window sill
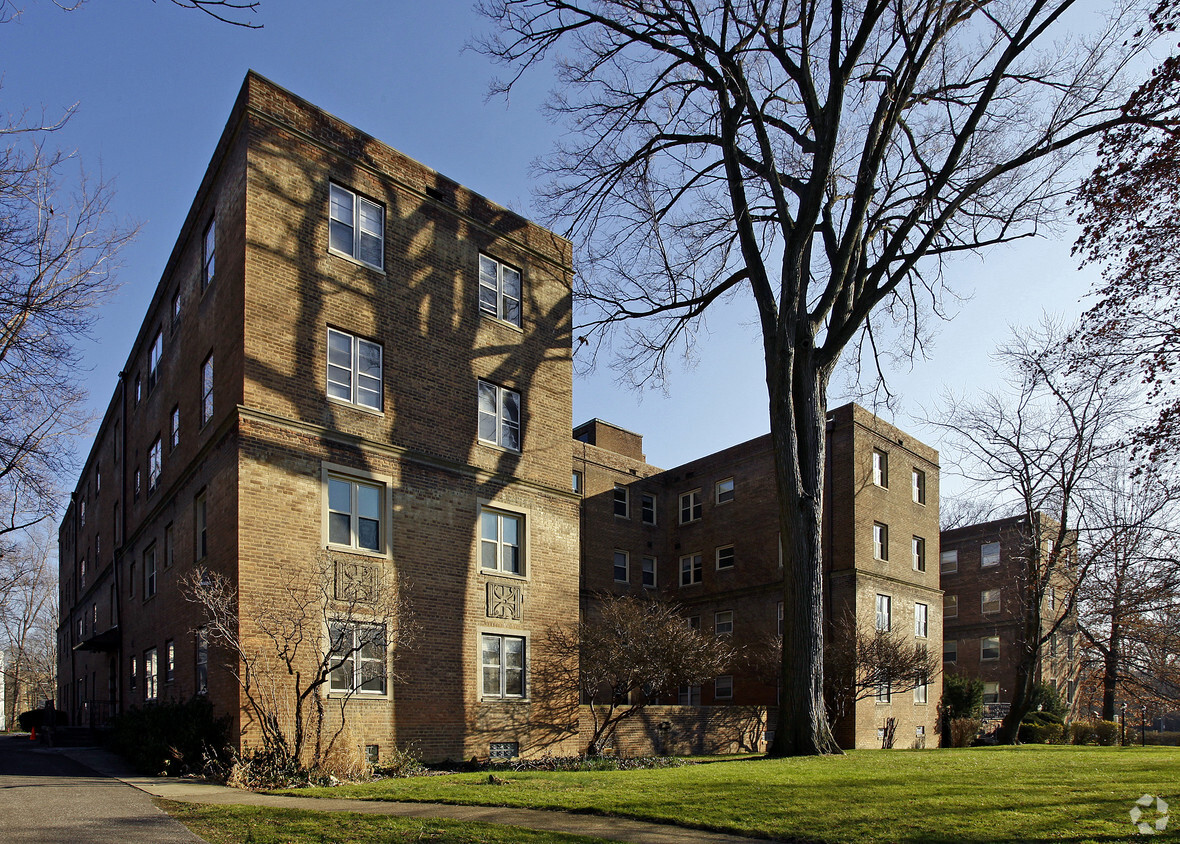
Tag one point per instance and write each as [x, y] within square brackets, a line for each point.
[354, 260]
[498, 699]
[497, 447]
[523, 578]
[370, 696]
[360, 552]
[354, 406]
[512, 326]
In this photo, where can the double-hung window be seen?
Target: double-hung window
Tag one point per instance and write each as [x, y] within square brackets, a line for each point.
[921, 688]
[989, 554]
[950, 650]
[501, 540]
[157, 352]
[149, 572]
[918, 553]
[357, 658]
[989, 600]
[918, 485]
[950, 606]
[174, 428]
[691, 569]
[169, 661]
[202, 660]
[356, 228]
[884, 613]
[503, 661]
[354, 369]
[499, 416]
[208, 254]
[989, 647]
[690, 506]
[921, 620]
[622, 564]
[948, 562]
[724, 491]
[880, 468]
[622, 502]
[723, 623]
[207, 390]
[880, 541]
[723, 687]
[647, 508]
[649, 572]
[355, 514]
[155, 464]
[991, 692]
[499, 290]
[150, 674]
[725, 557]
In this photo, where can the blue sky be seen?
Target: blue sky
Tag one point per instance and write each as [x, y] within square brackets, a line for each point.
[154, 85]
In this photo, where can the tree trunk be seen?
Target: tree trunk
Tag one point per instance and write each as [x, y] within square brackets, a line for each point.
[1110, 672]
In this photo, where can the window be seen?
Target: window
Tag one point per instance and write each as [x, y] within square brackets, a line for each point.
[918, 553]
[82, 511]
[356, 227]
[136, 483]
[649, 572]
[149, 572]
[621, 502]
[694, 622]
[918, 485]
[989, 554]
[200, 526]
[174, 428]
[884, 692]
[950, 606]
[176, 309]
[357, 658]
[725, 557]
[97, 479]
[647, 508]
[499, 416]
[149, 674]
[991, 692]
[723, 623]
[372, 754]
[724, 491]
[989, 647]
[207, 390]
[500, 536]
[577, 483]
[691, 570]
[780, 618]
[209, 254]
[155, 464]
[138, 389]
[157, 352]
[133, 673]
[880, 541]
[948, 562]
[989, 600]
[950, 650]
[202, 664]
[1052, 598]
[921, 615]
[723, 687]
[884, 613]
[98, 552]
[169, 661]
[880, 468]
[499, 290]
[354, 514]
[82, 573]
[503, 659]
[1053, 645]
[689, 696]
[690, 506]
[354, 369]
[621, 566]
[921, 689]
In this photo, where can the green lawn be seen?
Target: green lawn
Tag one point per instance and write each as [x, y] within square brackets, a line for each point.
[980, 794]
[239, 824]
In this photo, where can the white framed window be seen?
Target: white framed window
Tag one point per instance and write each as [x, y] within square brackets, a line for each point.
[499, 290]
[150, 675]
[725, 557]
[622, 566]
[921, 689]
[918, 485]
[169, 661]
[209, 254]
[132, 674]
[1052, 598]
[357, 658]
[723, 687]
[200, 526]
[723, 623]
[989, 600]
[576, 482]
[355, 511]
[989, 554]
[724, 491]
[649, 572]
[948, 562]
[884, 692]
[155, 464]
[174, 428]
[991, 692]
[692, 569]
[880, 541]
[921, 620]
[950, 606]
[989, 647]
[694, 622]
[501, 541]
[499, 416]
[884, 613]
[207, 390]
[918, 553]
[157, 352]
[880, 468]
[647, 508]
[149, 572]
[201, 664]
[690, 506]
[354, 369]
[356, 227]
[503, 662]
[622, 502]
[177, 306]
[950, 650]
[136, 484]
[689, 696]
[1053, 645]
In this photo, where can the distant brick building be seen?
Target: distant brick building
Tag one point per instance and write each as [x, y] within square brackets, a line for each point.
[705, 535]
[984, 578]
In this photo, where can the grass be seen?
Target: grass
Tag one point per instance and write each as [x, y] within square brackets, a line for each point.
[257, 825]
[1002, 794]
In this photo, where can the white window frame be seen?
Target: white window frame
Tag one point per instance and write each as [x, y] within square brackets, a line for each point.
[984, 649]
[576, 482]
[352, 654]
[502, 671]
[155, 464]
[154, 355]
[884, 693]
[989, 551]
[150, 570]
[647, 514]
[723, 687]
[989, 601]
[880, 468]
[688, 695]
[722, 555]
[991, 692]
[503, 557]
[201, 660]
[951, 647]
[626, 566]
[209, 254]
[622, 501]
[723, 491]
[950, 606]
[884, 607]
[200, 525]
[922, 690]
[207, 390]
[648, 566]
[881, 541]
[353, 219]
[948, 561]
[356, 481]
[921, 620]
[174, 428]
[362, 389]
[695, 570]
[495, 297]
[505, 426]
[690, 506]
[169, 661]
[723, 623]
[918, 553]
[151, 675]
[918, 485]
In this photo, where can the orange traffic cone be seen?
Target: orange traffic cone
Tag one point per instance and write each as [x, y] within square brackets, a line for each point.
[32, 733]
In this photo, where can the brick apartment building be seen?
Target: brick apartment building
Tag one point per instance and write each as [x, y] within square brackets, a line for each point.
[983, 569]
[705, 535]
[345, 351]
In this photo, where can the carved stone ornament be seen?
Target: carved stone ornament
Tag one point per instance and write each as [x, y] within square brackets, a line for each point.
[505, 600]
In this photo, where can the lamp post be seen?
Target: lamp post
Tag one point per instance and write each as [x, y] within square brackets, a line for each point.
[1123, 740]
[1143, 727]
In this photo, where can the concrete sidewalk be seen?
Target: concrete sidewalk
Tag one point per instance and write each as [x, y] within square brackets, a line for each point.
[195, 791]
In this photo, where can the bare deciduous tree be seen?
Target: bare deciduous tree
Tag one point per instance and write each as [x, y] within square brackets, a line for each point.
[28, 619]
[627, 653]
[823, 158]
[334, 624]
